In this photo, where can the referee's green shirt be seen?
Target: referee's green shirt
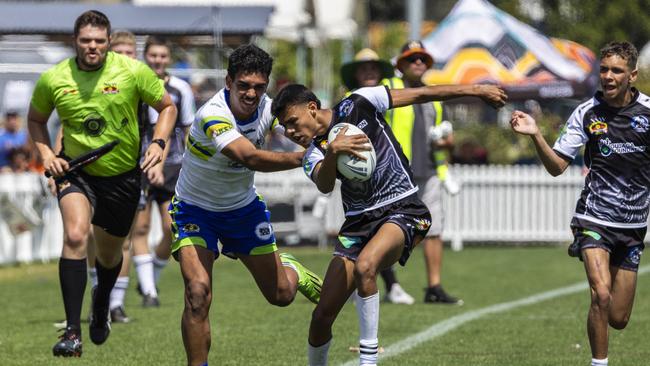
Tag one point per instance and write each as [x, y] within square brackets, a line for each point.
[96, 107]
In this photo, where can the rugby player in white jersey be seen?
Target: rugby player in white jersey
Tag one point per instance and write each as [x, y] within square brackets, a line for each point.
[216, 200]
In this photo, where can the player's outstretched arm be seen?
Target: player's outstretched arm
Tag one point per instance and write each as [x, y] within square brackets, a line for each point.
[245, 153]
[524, 124]
[37, 126]
[164, 125]
[491, 94]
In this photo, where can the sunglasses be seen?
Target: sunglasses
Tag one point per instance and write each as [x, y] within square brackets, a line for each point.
[415, 58]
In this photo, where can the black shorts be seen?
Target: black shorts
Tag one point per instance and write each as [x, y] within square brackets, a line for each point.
[114, 199]
[410, 214]
[164, 193]
[625, 246]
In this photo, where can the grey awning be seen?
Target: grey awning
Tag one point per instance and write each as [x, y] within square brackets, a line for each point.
[59, 17]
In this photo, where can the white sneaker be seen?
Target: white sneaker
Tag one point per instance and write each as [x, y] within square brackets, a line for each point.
[397, 295]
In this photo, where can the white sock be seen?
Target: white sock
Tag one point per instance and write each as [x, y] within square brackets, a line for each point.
[144, 269]
[368, 312]
[92, 273]
[118, 292]
[597, 362]
[317, 356]
[158, 265]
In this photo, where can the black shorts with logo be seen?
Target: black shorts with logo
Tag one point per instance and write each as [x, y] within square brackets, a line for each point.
[164, 193]
[114, 199]
[625, 246]
[410, 214]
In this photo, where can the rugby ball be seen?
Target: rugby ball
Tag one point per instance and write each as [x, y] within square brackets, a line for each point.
[350, 166]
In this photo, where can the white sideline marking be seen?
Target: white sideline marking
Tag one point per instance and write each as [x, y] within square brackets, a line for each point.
[439, 329]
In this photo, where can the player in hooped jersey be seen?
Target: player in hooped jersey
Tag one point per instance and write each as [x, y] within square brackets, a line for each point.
[216, 200]
[611, 215]
[384, 217]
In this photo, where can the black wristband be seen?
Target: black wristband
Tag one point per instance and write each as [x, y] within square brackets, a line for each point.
[159, 142]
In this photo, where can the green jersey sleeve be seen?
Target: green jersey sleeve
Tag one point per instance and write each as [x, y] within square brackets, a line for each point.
[42, 97]
[150, 87]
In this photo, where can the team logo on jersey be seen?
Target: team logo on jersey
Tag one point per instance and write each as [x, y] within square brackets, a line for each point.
[607, 147]
[640, 123]
[220, 128]
[307, 167]
[110, 88]
[634, 255]
[604, 148]
[598, 126]
[324, 144]
[94, 125]
[363, 124]
[345, 108]
[349, 241]
[264, 231]
[191, 228]
[422, 224]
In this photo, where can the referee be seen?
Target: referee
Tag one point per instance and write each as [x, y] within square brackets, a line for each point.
[96, 95]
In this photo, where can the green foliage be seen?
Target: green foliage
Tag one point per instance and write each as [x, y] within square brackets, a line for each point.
[284, 60]
[505, 146]
[643, 81]
[592, 23]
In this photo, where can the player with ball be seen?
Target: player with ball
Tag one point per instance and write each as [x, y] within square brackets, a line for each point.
[384, 217]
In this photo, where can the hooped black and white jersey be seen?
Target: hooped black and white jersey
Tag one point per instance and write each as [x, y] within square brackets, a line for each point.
[392, 179]
[616, 191]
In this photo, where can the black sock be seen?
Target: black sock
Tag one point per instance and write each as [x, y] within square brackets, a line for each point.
[435, 289]
[106, 278]
[389, 278]
[73, 277]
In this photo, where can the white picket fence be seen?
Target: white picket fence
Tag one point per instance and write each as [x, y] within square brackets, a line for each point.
[511, 204]
[521, 204]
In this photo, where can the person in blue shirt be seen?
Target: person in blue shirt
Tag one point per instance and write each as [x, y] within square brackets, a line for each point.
[11, 137]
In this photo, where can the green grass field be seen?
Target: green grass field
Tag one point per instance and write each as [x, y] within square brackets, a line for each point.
[248, 331]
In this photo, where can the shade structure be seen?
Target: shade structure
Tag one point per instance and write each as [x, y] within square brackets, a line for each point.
[53, 17]
[478, 43]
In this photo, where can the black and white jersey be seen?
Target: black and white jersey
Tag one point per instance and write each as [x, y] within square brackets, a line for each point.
[392, 179]
[616, 191]
[181, 94]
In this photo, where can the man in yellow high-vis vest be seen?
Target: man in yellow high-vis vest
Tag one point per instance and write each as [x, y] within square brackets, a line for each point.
[424, 136]
[367, 70]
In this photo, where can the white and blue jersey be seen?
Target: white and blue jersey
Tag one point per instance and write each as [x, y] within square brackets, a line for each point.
[210, 179]
[215, 197]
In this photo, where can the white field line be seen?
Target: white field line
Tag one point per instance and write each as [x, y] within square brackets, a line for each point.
[441, 328]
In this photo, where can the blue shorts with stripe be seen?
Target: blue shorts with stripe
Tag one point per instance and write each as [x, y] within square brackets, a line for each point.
[246, 230]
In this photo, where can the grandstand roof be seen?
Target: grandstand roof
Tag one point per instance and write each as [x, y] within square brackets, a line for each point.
[57, 17]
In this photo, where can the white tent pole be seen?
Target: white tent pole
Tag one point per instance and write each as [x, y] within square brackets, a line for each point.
[414, 13]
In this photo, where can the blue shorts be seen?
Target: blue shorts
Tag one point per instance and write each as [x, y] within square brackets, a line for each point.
[246, 230]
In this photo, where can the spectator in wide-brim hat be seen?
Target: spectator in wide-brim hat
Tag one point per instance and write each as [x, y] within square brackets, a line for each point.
[411, 52]
[367, 69]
